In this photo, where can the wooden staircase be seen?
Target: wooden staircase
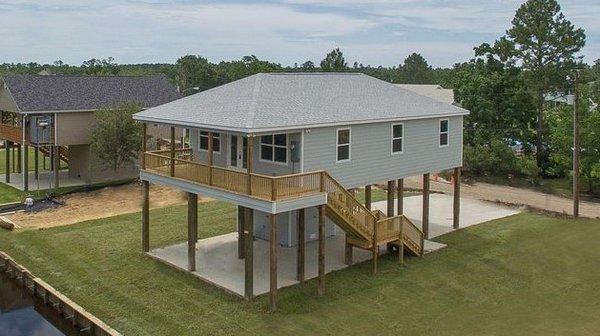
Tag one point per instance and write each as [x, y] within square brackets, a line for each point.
[63, 153]
[368, 229]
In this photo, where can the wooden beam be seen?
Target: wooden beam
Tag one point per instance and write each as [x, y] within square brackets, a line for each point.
[7, 146]
[348, 253]
[145, 216]
[19, 159]
[172, 151]
[301, 246]
[401, 244]
[14, 167]
[249, 153]
[192, 230]
[144, 146]
[25, 168]
[36, 162]
[273, 264]
[400, 197]
[321, 274]
[425, 216]
[249, 254]
[241, 225]
[456, 214]
[210, 157]
[368, 197]
[51, 151]
[56, 157]
[374, 249]
[391, 185]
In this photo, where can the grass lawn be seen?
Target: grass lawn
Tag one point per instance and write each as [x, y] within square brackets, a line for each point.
[31, 161]
[9, 194]
[526, 274]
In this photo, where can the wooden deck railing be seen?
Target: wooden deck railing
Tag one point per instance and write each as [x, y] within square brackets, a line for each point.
[271, 188]
[11, 133]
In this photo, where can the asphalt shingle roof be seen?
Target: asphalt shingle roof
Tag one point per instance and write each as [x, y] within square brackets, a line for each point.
[295, 100]
[87, 93]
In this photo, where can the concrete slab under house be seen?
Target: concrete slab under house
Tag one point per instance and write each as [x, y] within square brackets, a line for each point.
[217, 259]
[289, 149]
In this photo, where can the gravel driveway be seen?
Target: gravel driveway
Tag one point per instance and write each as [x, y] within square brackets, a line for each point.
[512, 195]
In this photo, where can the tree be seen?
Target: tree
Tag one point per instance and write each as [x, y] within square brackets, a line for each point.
[115, 139]
[544, 43]
[308, 65]
[97, 67]
[560, 123]
[334, 61]
[499, 101]
[415, 71]
[195, 71]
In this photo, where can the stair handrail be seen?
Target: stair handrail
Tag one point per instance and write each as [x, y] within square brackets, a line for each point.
[370, 218]
[407, 223]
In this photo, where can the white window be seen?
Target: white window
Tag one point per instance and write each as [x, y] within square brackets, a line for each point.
[397, 138]
[273, 148]
[443, 132]
[343, 145]
[216, 141]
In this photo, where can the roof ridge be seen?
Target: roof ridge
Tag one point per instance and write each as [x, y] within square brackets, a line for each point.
[254, 103]
[302, 73]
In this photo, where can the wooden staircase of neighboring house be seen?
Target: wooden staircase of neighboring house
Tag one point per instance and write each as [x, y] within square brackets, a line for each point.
[63, 153]
[368, 229]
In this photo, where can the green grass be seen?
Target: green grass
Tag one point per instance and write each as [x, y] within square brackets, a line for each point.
[31, 158]
[525, 274]
[9, 194]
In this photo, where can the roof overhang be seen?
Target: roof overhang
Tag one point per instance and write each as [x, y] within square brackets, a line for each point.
[290, 127]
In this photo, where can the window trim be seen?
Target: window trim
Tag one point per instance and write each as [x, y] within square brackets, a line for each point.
[392, 139]
[349, 144]
[440, 133]
[273, 145]
[206, 150]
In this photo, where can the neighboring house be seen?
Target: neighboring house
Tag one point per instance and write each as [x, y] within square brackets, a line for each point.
[54, 115]
[432, 91]
[287, 148]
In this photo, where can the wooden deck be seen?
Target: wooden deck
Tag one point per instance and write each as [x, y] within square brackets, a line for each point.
[270, 188]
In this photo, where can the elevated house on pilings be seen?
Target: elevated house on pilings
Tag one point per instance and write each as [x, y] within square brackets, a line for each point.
[53, 114]
[287, 148]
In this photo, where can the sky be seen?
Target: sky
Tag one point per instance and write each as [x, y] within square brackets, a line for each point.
[286, 31]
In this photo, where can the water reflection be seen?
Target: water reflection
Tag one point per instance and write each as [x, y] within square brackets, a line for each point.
[22, 315]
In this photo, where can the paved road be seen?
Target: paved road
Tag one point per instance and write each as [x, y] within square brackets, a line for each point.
[512, 195]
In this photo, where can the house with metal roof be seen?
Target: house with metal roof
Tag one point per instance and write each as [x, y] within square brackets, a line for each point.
[289, 149]
[53, 115]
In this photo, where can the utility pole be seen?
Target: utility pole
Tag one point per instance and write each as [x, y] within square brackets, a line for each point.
[576, 148]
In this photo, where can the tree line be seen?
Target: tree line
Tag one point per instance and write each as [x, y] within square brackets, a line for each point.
[512, 129]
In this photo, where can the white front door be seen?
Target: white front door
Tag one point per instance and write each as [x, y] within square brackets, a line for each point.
[238, 146]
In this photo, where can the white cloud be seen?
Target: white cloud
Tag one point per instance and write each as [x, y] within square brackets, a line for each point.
[382, 32]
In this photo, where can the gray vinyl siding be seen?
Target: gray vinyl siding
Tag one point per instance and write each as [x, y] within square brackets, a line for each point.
[287, 226]
[371, 159]
[260, 167]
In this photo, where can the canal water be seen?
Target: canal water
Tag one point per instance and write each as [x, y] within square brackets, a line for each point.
[23, 315]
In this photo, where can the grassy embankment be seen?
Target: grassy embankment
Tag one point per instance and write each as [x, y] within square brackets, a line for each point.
[525, 274]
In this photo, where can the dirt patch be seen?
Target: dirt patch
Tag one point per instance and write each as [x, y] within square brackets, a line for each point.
[102, 203]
